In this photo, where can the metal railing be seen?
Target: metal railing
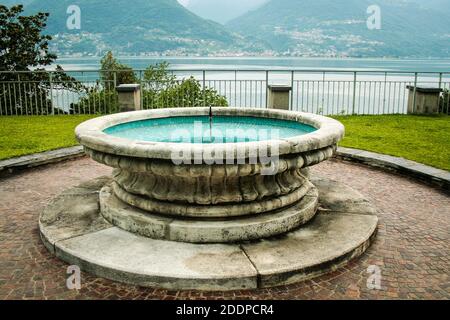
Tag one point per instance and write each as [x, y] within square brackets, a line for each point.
[328, 92]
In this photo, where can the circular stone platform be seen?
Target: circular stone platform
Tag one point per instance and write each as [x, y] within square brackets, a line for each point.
[73, 229]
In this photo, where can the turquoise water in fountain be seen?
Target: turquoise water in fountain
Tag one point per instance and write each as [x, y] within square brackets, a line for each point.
[224, 129]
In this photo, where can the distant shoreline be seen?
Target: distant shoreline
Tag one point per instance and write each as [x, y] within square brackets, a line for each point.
[269, 63]
[254, 57]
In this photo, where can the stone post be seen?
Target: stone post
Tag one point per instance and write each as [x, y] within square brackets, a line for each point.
[426, 100]
[129, 97]
[278, 96]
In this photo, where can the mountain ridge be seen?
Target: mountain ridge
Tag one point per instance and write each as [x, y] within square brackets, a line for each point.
[222, 11]
[320, 28]
[303, 27]
[145, 26]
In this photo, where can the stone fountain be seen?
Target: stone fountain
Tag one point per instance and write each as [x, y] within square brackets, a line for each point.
[209, 215]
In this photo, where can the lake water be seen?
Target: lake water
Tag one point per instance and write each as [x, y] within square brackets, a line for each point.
[199, 129]
[320, 85]
[254, 63]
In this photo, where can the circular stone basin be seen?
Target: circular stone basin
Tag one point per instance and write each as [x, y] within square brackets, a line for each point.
[199, 129]
[247, 168]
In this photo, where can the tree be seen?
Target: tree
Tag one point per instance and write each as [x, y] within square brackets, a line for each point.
[21, 43]
[23, 47]
[161, 89]
[114, 72]
[102, 97]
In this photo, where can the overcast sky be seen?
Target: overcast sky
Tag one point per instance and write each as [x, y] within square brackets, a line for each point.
[184, 2]
[221, 10]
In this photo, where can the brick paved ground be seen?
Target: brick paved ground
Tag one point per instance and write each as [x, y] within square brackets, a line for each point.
[412, 247]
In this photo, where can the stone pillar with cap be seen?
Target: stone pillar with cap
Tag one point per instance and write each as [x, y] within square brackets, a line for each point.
[129, 97]
[423, 100]
[278, 96]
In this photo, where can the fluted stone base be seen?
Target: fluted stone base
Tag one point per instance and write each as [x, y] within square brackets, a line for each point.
[210, 191]
[218, 230]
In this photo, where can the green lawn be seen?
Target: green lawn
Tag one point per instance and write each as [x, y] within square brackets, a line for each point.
[20, 135]
[424, 139]
[420, 138]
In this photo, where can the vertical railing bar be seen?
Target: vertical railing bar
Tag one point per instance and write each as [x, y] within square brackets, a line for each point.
[3, 97]
[395, 91]
[364, 97]
[51, 93]
[387, 98]
[448, 98]
[261, 97]
[318, 97]
[439, 100]
[415, 92]
[348, 94]
[141, 91]
[26, 89]
[303, 96]
[339, 96]
[359, 98]
[20, 93]
[323, 92]
[267, 88]
[203, 87]
[384, 92]
[115, 84]
[13, 106]
[328, 97]
[251, 93]
[94, 101]
[380, 109]
[346, 106]
[109, 95]
[29, 104]
[105, 97]
[27, 97]
[236, 86]
[17, 102]
[333, 98]
[1, 103]
[292, 90]
[376, 103]
[240, 93]
[88, 96]
[374, 100]
[6, 101]
[61, 95]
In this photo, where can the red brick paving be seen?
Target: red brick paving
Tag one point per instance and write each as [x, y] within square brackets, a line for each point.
[412, 248]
